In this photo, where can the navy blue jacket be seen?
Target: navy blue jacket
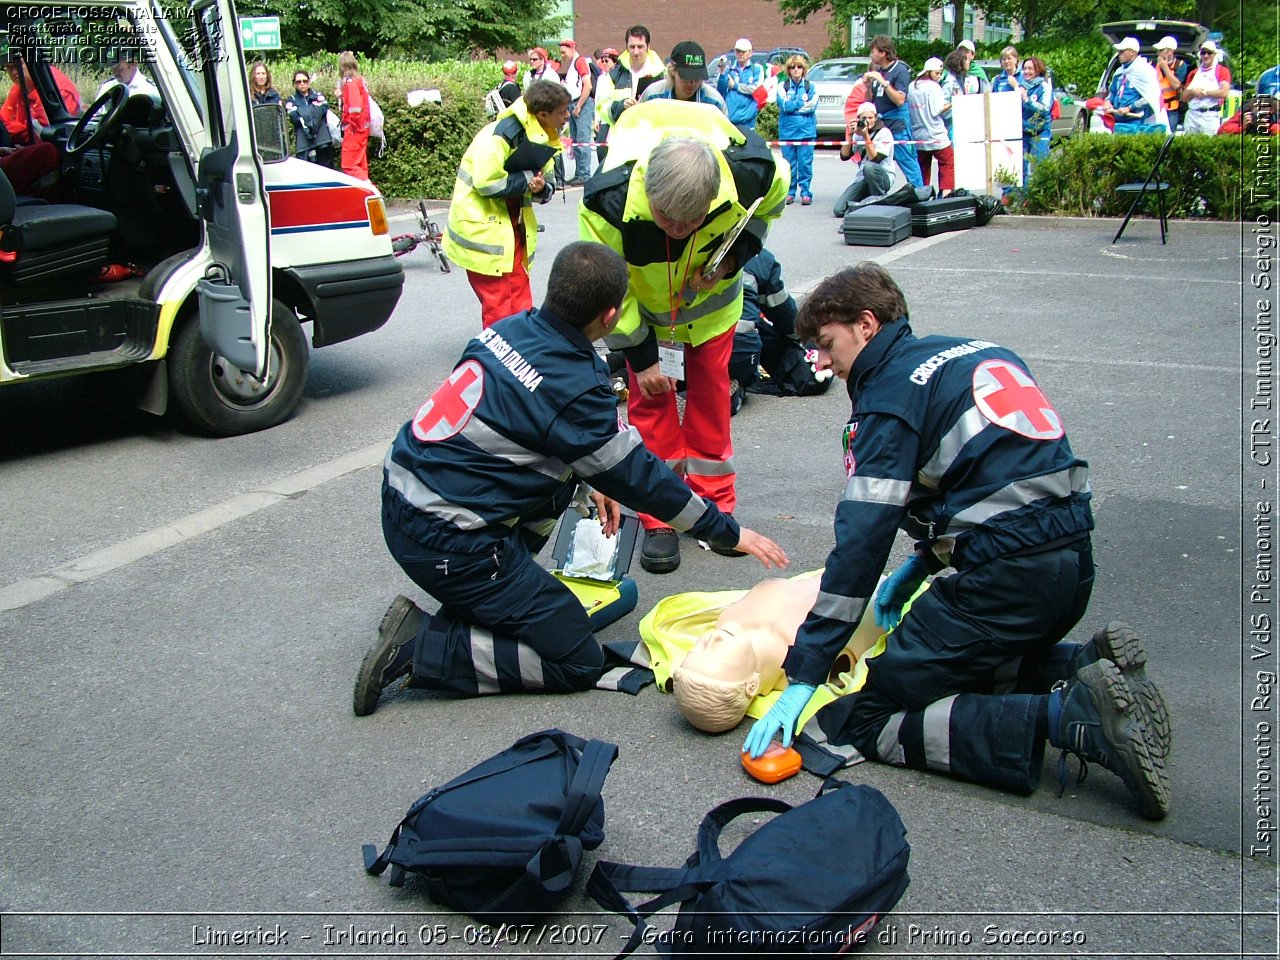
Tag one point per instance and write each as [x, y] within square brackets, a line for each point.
[528, 412]
[952, 441]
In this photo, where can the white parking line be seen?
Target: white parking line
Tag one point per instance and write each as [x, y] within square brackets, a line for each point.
[92, 565]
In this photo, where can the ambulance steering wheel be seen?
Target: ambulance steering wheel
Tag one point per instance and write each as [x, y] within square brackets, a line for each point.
[113, 101]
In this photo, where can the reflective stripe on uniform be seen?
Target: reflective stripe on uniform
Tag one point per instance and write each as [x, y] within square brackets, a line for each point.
[936, 734]
[422, 497]
[492, 442]
[612, 678]
[862, 489]
[888, 748]
[773, 299]
[1022, 492]
[462, 241]
[697, 311]
[531, 677]
[609, 455]
[691, 513]
[496, 189]
[835, 607]
[695, 467]
[483, 661]
[970, 424]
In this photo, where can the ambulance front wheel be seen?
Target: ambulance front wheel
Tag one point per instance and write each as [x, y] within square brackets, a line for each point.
[224, 400]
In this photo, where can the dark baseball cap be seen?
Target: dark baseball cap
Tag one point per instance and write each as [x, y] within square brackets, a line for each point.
[690, 60]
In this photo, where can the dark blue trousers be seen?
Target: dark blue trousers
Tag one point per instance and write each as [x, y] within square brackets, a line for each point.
[505, 624]
[934, 699]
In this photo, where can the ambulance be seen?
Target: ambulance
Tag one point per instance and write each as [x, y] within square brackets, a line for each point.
[184, 240]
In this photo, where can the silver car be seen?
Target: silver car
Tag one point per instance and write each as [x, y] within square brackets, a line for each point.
[834, 80]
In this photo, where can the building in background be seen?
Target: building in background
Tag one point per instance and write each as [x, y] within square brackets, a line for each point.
[717, 24]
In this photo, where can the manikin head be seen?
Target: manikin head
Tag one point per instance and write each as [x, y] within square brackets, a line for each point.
[717, 679]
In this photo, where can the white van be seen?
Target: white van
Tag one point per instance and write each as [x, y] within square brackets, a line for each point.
[235, 243]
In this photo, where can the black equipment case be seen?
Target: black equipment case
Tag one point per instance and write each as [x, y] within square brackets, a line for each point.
[877, 226]
[943, 215]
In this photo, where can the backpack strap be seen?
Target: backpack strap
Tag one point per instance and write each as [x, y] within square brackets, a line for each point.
[584, 791]
[375, 862]
[673, 884]
[719, 817]
[564, 854]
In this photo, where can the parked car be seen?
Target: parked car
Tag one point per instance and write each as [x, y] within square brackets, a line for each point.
[1146, 32]
[193, 246]
[833, 80]
[773, 61]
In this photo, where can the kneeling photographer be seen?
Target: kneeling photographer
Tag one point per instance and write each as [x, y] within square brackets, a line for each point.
[878, 174]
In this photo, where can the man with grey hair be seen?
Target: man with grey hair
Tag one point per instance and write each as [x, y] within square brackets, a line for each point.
[678, 182]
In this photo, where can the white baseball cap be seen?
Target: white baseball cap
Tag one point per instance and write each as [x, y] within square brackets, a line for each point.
[743, 44]
[1128, 43]
[968, 45]
[1166, 43]
[1210, 46]
[933, 63]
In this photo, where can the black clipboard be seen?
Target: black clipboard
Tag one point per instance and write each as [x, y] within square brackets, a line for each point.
[644, 83]
[529, 156]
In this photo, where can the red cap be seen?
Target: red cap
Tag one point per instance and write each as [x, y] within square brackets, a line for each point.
[568, 43]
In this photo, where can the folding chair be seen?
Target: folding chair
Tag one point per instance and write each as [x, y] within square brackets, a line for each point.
[1140, 190]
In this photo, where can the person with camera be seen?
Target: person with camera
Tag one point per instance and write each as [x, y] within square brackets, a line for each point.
[878, 173]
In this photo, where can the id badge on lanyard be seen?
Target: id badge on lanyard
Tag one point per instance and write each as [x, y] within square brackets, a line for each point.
[671, 359]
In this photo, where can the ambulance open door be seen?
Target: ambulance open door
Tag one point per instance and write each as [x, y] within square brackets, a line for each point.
[235, 294]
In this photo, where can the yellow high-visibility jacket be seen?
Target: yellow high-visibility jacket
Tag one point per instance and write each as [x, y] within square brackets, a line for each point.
[479, 236]
[615, 211]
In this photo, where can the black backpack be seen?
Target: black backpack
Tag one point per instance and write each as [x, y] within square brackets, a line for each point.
[508, 835]
[787, 888]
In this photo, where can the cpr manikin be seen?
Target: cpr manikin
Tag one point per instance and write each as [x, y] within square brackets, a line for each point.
[742, 656]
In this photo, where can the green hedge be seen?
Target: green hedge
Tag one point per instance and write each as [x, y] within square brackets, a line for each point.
[1227, 178]
[425, 143]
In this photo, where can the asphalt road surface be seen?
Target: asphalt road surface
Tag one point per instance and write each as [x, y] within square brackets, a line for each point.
[182, 619]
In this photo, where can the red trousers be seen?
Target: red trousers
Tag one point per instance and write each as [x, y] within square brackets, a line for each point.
[507, 294]
[946, 158]
[355, 153]
[700, 449]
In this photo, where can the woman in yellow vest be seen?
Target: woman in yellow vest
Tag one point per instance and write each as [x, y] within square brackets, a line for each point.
[492, 232]
[678, 179]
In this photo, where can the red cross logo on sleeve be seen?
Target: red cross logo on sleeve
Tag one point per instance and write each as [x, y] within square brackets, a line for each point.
[1009, 398]
[447, 411]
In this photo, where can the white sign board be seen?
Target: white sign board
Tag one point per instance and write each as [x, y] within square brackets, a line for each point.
[988, 140]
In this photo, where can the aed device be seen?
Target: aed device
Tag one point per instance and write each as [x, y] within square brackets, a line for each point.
[774, 765]
[594, 567]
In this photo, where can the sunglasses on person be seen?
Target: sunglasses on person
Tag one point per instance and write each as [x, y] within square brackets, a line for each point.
[297, 81]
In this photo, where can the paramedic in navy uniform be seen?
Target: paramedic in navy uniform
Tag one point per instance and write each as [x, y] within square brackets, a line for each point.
[474, 483]
[953, 440]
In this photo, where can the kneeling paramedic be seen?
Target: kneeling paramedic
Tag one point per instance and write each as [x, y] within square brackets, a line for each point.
[474, 483]
[953, 440]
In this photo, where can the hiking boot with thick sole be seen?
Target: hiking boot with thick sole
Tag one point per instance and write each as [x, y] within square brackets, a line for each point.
[1119, 643]
[661, 550]
[390, 657]
[1098, 718]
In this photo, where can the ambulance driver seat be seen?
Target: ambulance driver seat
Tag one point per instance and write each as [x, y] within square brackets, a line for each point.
[741, 658]
[50, 243]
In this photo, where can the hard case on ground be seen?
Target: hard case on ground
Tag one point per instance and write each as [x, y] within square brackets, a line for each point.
[943, 215]
[877, 226]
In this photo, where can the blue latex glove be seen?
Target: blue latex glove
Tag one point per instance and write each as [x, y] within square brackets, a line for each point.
[781, 716]
[897, 590]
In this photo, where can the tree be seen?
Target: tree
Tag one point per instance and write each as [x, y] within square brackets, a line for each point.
[436, 28]
[911, 14]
